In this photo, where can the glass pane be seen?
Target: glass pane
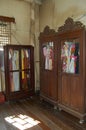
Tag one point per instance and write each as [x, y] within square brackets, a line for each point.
[48, 53]
[26, 80]
[13, 59]
[5, 33]
[25, 58]
[1, 59]
[2, 72]
[70, 56]
[3, 81]
[14, 81]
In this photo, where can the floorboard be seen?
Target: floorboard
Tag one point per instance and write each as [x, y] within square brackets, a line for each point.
[32, 114]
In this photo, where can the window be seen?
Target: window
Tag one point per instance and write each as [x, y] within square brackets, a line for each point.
[5, 38]
[5, 33]
[5, 30]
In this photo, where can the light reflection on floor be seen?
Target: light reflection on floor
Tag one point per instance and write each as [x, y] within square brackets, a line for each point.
[22, 122]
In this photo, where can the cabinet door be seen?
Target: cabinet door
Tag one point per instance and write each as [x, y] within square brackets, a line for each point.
[25, 69]
[47, 70]
[2, 71]
[70, 79]
[13, 66]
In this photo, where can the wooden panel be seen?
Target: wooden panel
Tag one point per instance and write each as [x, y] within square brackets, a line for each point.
[66, 90]
[76, 93]
[48, 62]
[44, 83]
[52, 86]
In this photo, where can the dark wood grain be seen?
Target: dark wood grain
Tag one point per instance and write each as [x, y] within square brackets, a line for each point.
[48, 78]
[72, 86]
[49, 118]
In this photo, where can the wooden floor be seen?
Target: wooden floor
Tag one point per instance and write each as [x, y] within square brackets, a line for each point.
[31, 114]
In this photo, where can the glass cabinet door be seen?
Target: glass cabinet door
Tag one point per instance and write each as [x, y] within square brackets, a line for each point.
[2, 70]
[70, 56]
[14, 76]
[48, 55]
[25, 68]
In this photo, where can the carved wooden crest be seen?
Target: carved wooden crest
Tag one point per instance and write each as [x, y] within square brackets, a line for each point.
[70, 25]
[48, 31]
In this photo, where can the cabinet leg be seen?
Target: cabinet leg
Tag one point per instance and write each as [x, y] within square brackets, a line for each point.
[81, 121]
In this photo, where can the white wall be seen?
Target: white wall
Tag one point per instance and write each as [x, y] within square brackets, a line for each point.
[26, 28]
[20, 10]
[55, 12]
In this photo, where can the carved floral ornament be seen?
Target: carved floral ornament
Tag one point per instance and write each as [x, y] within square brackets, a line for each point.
[70, 25]
[48, 31]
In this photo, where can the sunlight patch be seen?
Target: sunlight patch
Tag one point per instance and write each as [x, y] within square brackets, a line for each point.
[22, 121]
